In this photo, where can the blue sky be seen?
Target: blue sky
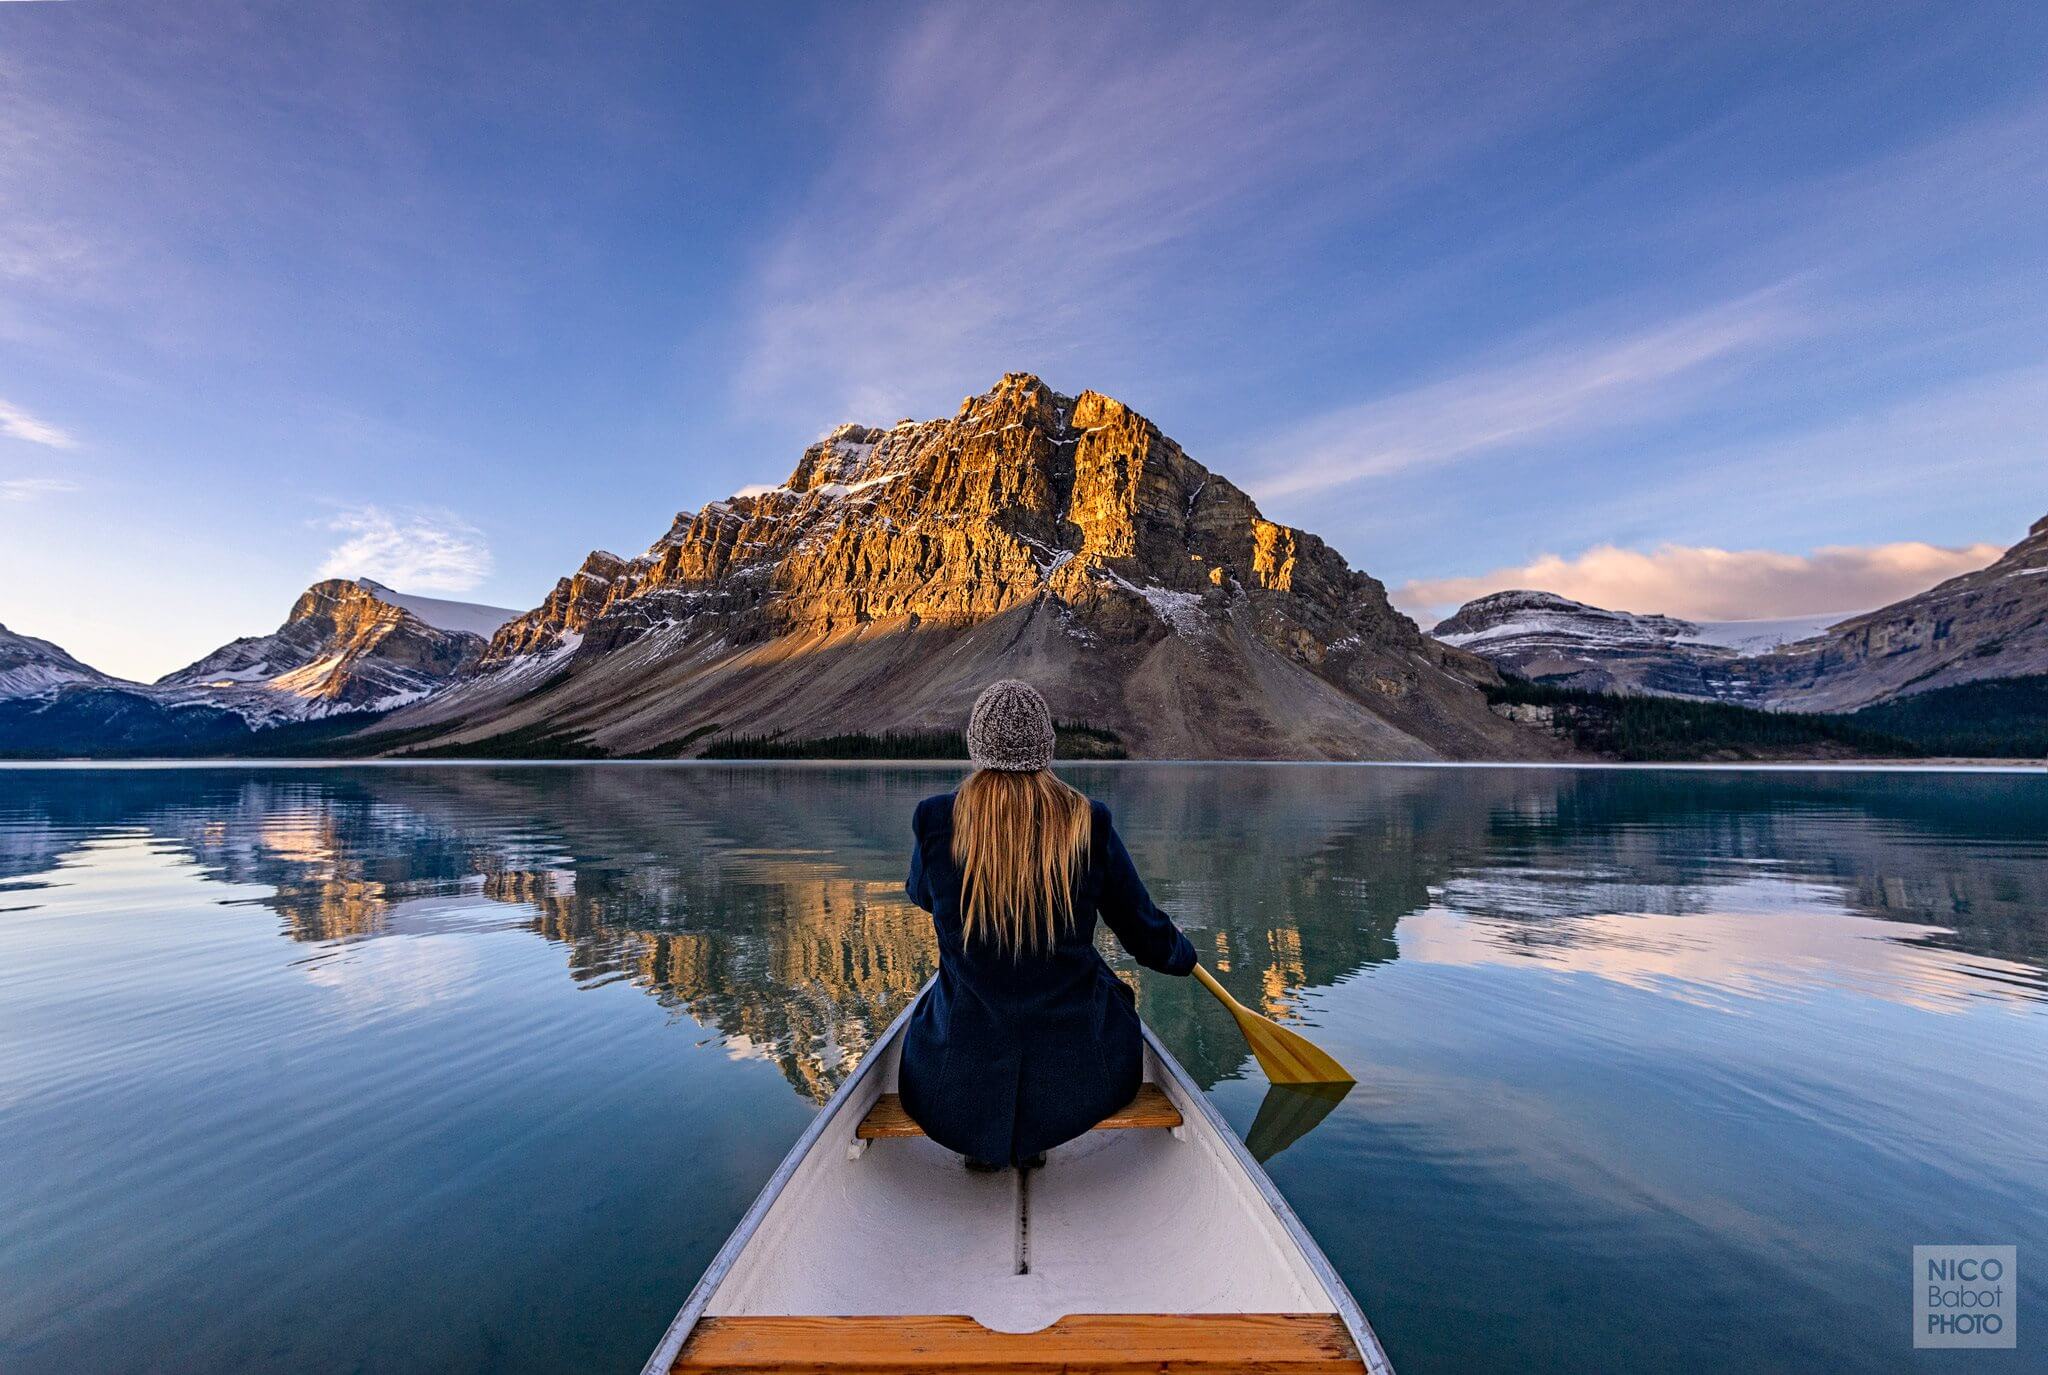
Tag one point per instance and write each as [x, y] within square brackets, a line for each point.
[1715, 310]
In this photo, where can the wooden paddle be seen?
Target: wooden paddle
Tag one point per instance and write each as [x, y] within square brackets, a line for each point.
[1286, 1056]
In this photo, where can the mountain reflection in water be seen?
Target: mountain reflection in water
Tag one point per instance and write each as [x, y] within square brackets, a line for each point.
[767, 902]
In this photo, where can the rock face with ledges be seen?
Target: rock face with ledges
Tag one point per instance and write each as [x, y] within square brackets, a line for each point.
[1060, 538]
[567, 610]
[343, 647]
[1992, 623]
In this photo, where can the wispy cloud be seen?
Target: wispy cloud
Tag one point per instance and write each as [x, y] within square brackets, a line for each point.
[1571, 388]
[19, 424]
[412, 551]
[1946, 453]
[1986, 432]
[1701, 583]
[1833, 246]
[30, 488]
[1015, 192]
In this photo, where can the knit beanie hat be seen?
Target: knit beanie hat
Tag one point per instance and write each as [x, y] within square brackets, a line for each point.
[1010, 728]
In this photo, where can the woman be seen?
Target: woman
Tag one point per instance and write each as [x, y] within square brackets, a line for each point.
[1025, 1039]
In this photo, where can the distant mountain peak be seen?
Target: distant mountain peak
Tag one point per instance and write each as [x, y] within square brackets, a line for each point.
[347, 644]
[29, 667]
[1986, 624]
[1527, 614]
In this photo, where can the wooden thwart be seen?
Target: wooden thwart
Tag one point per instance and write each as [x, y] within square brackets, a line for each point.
[1151, 1108]
[1085, 1344]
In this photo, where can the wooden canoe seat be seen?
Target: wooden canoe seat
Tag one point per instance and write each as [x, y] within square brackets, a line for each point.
[1151, 1108]
[1089, 1344]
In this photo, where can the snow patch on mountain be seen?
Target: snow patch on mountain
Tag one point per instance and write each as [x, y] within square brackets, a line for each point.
[1763, 636]
[467, 618]
[1181, 610]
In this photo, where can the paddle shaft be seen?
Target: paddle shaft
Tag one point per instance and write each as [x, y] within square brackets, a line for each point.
[1286, 1056]
[1208, 981]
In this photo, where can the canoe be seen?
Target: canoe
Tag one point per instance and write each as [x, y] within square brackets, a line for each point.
[1154, 1242]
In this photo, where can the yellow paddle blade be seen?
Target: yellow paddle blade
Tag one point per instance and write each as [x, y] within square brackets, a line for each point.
[1287, 1057]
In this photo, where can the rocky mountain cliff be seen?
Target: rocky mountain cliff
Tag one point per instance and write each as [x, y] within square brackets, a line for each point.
[342, 648]
[1990, 624]
[1554, 640]
[1062, 539]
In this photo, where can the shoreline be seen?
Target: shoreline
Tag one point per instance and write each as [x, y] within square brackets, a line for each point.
[1971, 766]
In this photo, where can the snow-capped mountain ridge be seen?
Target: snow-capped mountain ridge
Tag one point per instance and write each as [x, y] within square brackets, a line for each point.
[344, 649]
[1989, 624]
[1524, 613]
[30, 667]
[1554, 639]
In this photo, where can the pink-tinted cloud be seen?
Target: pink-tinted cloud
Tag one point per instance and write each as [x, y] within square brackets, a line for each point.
[1707, 584]
[17, 423]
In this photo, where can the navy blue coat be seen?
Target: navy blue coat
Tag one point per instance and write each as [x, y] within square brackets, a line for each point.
[1007, 1056]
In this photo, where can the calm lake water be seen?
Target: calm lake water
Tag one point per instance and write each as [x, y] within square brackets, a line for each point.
[472, 1068]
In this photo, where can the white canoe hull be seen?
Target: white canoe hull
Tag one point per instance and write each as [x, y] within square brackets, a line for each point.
[1137, 1222]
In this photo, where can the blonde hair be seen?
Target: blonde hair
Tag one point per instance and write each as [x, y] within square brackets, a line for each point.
[1020, 839]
